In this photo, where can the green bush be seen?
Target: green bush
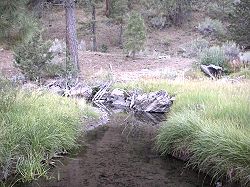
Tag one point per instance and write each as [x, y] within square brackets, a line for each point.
[195, 47]
[135, 34]
[220, 56]
[212, 27]
[220, 9]
[104, 48]
[32, 56]
[231, 50]
[174, 11]
[214, 55]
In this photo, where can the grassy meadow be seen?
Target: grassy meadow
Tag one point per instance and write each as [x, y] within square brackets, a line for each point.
[33, 127]
[209, 123]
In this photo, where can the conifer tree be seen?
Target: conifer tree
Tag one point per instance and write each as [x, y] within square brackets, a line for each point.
[71, 35]
[240, 23]
[32, 56]
[16, 23]
[118, 9]
[135, 34]
[90, 6]
[175, 10]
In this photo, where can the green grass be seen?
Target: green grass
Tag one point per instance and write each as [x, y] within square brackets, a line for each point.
[209, 122]
[245, 73]
[34, 126]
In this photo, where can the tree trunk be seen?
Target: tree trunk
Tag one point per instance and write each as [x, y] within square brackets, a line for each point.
[71, 35]
[107, 11]
[120, 36]
[94, 27]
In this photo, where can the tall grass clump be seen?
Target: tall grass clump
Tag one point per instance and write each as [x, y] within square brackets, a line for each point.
[34, 126]
[208, 125]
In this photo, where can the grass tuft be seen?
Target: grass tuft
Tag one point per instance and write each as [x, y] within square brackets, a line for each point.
[34, 126]
[209, 124]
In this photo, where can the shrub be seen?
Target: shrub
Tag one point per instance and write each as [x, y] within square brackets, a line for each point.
[166, 41]
[135, 34]
[214, 11]
[104, 48]
[214, 55]
[158, 22]
[32, 56]
[231, 50]
[220, 9]
[212, 27]
[195, 47]
[175, 11]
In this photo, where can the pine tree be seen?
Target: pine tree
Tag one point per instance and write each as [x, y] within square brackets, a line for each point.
[71, 35]
[32, 56]
[90, 6]
[118, 9]
[16, 22]
[135, 34]
[240, 23]
[175, 10]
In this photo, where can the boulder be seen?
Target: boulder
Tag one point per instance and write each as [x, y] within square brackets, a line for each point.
[158, 102]
[118, 98]
[82, 46]
[81, 90]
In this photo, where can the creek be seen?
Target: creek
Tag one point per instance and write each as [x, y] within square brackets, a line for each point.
[122, 152]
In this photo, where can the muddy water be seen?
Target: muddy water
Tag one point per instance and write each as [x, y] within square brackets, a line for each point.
[121, 153]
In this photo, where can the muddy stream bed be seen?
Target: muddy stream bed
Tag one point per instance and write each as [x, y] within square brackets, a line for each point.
[121, 153]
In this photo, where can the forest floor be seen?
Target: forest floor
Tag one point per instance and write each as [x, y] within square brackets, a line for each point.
[159, 60]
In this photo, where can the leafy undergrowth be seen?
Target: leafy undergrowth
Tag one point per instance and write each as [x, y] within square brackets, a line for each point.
[209, 122]
[33, 127]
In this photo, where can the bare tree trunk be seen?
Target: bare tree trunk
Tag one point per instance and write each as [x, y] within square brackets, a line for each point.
[120, 36]
[71, 35]
[94, 27]
[107, 11]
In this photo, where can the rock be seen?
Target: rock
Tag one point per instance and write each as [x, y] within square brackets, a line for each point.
[158, 102]
[118, 98]
[81, 90]
[18, 79]
[58, 47]
[57, 90]
[162, 57]
[30, 86]
[82, 46]
[152, 118]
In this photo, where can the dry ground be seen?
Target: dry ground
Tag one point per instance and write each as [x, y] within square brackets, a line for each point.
[100, 65]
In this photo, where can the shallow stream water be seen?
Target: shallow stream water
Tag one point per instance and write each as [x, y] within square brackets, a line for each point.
[122, 153]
